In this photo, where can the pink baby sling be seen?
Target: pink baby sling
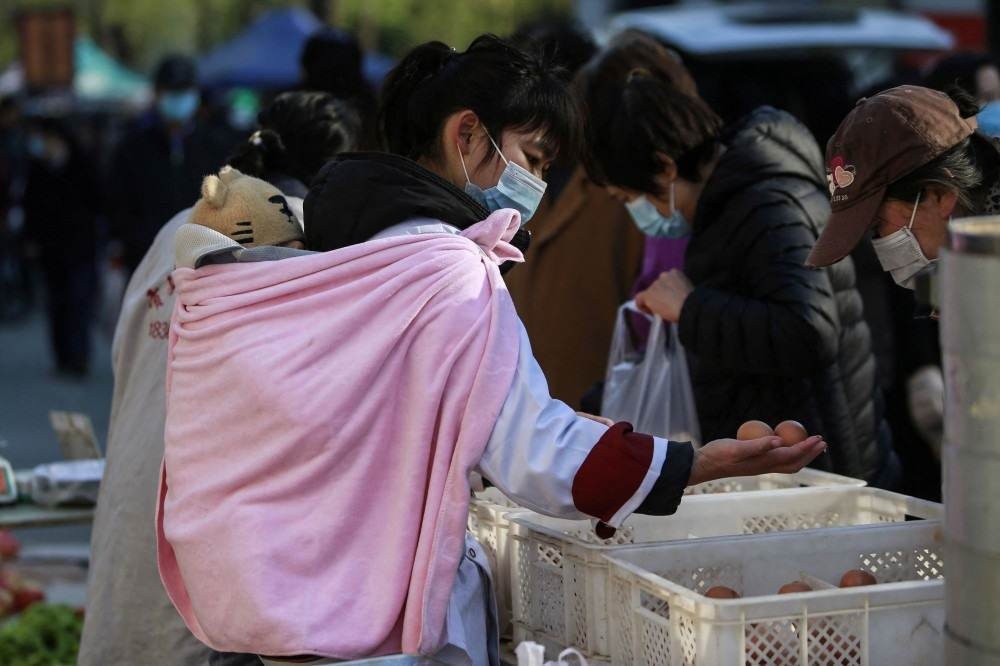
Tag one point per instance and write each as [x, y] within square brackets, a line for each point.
[323, 413]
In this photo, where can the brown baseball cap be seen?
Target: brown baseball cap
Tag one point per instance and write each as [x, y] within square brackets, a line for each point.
[882, 139]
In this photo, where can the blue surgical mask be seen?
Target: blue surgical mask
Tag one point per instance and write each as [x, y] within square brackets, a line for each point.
[178, 106]
[517, 188]
[989, 119]
[653, 223]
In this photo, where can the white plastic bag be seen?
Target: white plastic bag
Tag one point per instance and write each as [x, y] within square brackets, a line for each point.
[647, 383]
[532, 654]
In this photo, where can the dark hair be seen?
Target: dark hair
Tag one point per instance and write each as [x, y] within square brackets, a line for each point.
[969, 168]
[635, 111]
[504, 86]
[332, 62]
[957, 71]
[633, 49]
[299, 132]
[560, 41]
[175, 72]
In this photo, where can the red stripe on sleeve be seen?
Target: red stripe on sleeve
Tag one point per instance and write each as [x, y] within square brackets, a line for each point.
[612, 472]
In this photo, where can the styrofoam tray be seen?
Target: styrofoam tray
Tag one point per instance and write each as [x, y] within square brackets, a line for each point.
[658, 615]
[559, 576]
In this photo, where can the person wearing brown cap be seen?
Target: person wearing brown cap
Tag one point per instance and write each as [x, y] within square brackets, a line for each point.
[900, 166]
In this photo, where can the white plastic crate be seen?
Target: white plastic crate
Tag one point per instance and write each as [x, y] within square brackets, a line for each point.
[659, 617]
[559, 575]
[489, 522]
[804, 478]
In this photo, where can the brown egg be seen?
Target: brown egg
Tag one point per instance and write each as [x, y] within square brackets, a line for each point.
[791, 432]
[857, 578]
[754, 430]
[722, 592]
[794, 586]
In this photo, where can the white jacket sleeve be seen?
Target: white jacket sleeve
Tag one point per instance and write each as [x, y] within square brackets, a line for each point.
[548, 459]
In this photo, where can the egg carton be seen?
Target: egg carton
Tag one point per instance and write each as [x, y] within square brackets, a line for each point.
[659, 616]
[802, 479]
[558, 572]
[489, 521]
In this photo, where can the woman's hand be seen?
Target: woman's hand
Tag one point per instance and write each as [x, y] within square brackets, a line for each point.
[666, 296]
[733, 457]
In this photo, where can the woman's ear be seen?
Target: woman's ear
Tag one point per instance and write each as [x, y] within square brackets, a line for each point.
[942, 200]
[668, 171]
[459, 129]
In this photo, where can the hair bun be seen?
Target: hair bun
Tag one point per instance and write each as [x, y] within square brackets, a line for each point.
[427, 60]
[269, 143]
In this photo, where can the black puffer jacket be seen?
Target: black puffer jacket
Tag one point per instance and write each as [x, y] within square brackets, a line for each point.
[769, 338]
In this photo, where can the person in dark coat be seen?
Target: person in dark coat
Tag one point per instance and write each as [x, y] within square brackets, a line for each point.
[767, 337]
[158, 166]
[61, 206]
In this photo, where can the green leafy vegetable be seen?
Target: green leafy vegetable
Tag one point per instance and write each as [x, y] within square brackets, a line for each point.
[43, 635]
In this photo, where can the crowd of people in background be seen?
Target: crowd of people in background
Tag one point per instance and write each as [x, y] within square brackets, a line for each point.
[655, 188]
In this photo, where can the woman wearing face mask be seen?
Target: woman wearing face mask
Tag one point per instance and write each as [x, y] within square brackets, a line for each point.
[666, 238]
[767, 338]
[411, 370]
[62, 201]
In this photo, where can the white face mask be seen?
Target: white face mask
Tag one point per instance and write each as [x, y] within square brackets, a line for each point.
[900, 254]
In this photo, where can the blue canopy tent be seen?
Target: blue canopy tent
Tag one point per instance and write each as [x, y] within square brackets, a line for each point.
[266, 54]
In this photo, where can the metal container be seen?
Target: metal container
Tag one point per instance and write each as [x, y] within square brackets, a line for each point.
[970, 339]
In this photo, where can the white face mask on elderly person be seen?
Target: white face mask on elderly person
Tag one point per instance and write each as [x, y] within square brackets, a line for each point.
[900, 254]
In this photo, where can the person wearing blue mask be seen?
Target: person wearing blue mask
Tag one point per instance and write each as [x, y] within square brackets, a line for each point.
[158, 165]
[766, 336]
[470, 135]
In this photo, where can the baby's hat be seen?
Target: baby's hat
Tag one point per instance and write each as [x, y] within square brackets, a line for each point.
[249, 210]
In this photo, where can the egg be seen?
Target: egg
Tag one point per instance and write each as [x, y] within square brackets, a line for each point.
[791, 432]
[754, 430]
[857, 578]
[722, 592]
[794, 586]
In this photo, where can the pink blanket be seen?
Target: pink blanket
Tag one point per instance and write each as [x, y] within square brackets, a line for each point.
[323, 413]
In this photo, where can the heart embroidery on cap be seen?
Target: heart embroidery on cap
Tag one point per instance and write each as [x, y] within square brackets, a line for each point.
[842, 177]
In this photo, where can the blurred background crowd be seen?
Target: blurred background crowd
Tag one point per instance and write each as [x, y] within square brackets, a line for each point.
[112, 111]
